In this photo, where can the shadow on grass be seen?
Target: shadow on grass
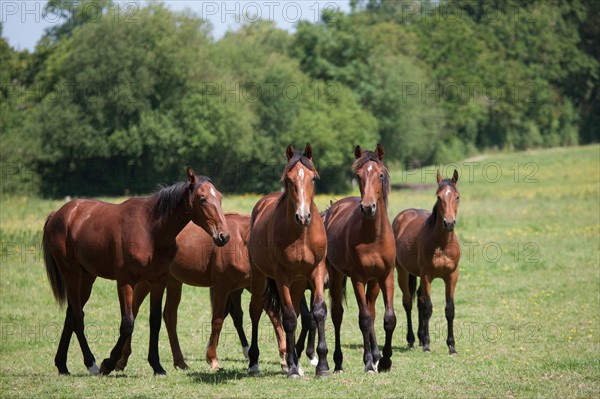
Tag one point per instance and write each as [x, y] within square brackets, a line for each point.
[226, 375]
[395, 349]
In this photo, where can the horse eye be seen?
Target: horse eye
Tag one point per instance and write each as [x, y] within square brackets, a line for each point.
[314, 179]
[381, 176]
[203, 200]
[458, 198]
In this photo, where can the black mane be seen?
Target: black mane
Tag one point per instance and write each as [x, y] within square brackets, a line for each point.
[170, 197]
[370, 156]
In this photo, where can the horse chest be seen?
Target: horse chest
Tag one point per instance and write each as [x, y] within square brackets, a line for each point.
[441, 259]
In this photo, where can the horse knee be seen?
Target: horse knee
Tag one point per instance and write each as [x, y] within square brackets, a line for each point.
[450, 310]
[427, 308]
[126, 328]
[289, 321]
[364, 322]
[320, 312]
[389, 321]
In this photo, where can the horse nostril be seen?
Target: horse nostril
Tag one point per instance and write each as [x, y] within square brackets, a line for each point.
[224, 237]
[309, 217]
[298, 219]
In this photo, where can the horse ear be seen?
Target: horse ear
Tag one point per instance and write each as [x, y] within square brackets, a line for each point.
[289, 152]
[439, 177]
[308, 151]
[379, 152]
[191, 176]
[357, 152]
[455, 177]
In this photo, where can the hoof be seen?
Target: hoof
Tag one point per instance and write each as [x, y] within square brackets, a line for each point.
[105, 367]
[180, 364]
[294, 376]
[371, 372]
[376, 367]
[120, 366]
[254, 370]
[453, 351]
[245, 350]
[385, 364]
[162, 373]
[426, 349]
[338, 371]
[322, 374]
[314, 361]
[94, 369]
[63, 371]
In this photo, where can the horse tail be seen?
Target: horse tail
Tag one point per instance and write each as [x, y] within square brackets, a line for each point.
[412, 284]
[56, 281]
[271, 298]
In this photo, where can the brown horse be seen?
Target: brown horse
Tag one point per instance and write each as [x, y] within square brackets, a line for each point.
[128, 242]
[361, 246]
[288, 246]
[426, 246]
[200, 263]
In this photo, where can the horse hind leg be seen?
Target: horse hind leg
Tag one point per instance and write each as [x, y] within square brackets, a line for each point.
[407, 283]
[78, 287]
[234, 307]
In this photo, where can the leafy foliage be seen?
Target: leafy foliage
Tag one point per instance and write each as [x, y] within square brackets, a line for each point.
[108, 105]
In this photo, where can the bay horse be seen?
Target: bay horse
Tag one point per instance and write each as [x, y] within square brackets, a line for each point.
[361, 246]
[427, 247]
[200, 263]
[287, 250]
[128, 242]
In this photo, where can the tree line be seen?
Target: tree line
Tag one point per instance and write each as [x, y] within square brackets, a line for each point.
[105, 106]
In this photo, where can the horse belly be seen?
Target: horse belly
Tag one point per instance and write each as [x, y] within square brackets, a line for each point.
[407, 256]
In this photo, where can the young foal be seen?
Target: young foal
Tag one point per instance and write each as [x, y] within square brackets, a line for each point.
[288, 245]
[200, 263]
[128, 242]
[361, 246]
[426, 246]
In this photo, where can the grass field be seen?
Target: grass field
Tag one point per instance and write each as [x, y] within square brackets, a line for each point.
[527, 302]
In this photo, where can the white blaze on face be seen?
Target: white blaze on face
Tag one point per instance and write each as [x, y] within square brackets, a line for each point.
[448, 192]
[212, 191]
[302, 205]
[370, 168]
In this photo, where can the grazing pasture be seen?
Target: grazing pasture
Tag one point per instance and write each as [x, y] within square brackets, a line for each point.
[527, 301]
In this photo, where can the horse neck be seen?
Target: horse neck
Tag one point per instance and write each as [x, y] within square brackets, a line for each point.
[167, 226]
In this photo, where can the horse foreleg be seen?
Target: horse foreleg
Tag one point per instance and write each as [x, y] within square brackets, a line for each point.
[140, 292]
[289, 296]
[219, 301]
[156, 293]
[373, 289]
[450, 285]
[425, 311]
[389, 320]
[319, 315]
[259, 283]
[364, 322]
[126, 328]
[234, 307]
[336, 285]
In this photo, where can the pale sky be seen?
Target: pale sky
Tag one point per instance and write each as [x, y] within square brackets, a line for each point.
[24, 21]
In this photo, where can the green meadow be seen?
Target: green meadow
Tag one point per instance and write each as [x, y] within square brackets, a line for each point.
[527, 301]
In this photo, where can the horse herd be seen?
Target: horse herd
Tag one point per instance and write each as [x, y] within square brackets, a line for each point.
[148, 245]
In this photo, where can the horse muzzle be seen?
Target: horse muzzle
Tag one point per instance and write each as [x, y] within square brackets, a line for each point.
[448, 225]
[303, 220]
[221, 239]
[369, 210]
